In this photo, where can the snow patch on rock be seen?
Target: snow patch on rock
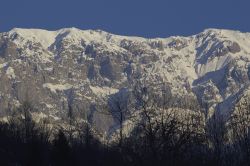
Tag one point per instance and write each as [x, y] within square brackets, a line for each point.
[10, 72]
[103, 91]
[57, 87]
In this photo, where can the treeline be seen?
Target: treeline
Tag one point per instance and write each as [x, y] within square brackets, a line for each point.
[167, 131]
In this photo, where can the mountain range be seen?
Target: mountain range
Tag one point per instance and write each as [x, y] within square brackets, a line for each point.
[81, 69]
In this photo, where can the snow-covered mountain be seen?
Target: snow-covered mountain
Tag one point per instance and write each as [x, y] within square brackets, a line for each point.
[80, 69]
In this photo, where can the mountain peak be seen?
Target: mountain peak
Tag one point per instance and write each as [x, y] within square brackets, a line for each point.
[45, 37]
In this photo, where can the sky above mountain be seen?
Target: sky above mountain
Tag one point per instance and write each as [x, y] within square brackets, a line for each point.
[147, 18]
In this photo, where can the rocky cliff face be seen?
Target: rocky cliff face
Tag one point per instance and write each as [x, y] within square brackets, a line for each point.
[71, 68]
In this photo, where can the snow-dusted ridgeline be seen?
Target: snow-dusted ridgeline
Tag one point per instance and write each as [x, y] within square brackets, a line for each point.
[84, 68]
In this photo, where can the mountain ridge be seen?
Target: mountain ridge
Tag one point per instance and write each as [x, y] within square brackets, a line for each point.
[82, 68]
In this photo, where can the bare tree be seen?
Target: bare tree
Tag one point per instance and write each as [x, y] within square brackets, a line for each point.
[239, 128]
[167, 123]
[120, 109]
